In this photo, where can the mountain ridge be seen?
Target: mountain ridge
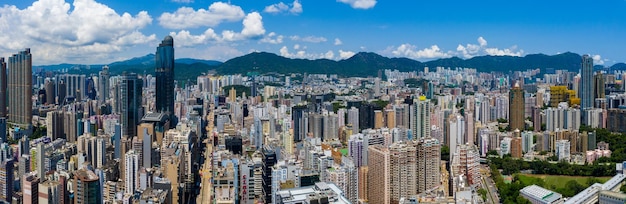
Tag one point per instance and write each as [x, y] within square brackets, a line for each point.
[360, 64]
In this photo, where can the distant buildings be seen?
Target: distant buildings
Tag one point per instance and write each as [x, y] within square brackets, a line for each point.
[587, 79]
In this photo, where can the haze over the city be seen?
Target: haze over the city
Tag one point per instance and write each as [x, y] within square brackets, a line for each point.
[100, 32]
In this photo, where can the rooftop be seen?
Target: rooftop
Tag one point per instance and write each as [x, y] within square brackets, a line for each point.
[540, 193]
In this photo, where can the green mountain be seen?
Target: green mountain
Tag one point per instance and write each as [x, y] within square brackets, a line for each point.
[368, 64]
[185, 68]
[361, 64]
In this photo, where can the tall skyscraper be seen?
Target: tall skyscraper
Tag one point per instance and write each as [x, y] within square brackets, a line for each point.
[130, 94]
[420, 123]
[165, 76]
[41, 156]
[132, 172]
[3, 88]
[103, 85]
[516, 109]
[299, 115]
[30, 184]
[87, 187]
[20, 90]
[6, 180]
[378, 175]
[586, 99]
[428, 160]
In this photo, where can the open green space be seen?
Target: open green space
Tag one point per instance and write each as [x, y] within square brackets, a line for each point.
[566, 185]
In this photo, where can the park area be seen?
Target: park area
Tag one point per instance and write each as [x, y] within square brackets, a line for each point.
[566, 185]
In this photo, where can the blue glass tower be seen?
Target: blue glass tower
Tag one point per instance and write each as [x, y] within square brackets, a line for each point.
[165, 77]
[586, 99]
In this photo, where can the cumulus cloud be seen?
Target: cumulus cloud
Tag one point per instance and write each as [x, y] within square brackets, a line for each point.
[411, 51]
[311, 39]
[252, 29]
[597, 59]
[303, 54]
[504, 52]
[186, 17]
[59, 32]
[338, 41]
[280, 7]
[472, 50]
[359, 4]
[345, 54]
[272, 38]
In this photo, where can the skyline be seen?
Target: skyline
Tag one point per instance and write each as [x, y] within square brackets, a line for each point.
[75, 32]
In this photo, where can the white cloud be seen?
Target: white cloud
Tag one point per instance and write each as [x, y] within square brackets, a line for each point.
[482, 41]
[359, 4]
[297, 7]
[597, 59]
[185, 39]
[272, 38]
[280, 7]
[186, 17]
[345, 54]
[329, 55]
[311, 39]
[183, 1]
[504, 52]
[410, 51]
[338, 41]
[59, 32]
[473, 50]
[296, 46]
[253, 25]
[303, 54]
[252, 29]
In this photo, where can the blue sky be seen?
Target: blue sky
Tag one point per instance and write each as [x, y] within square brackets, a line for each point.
[103, 31]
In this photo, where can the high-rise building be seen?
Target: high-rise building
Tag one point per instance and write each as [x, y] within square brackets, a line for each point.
[132, 172]
[131, 110]
[378, 119]
[165, 77]
[20, 90]
[75, 86]
[103, 85]
[50, 192]
[87, 187]
[562, 150]
[420, 119]
[466, 162]
[3, 88]
[6, 181]
[299, 115]
[428, 160]
[516, 109]
[390, 118]
[586, 99]
[516, 147]
[378, 175]
[50, 92]
[598, 82]
[269, 160]
[41, 156]
[30, 184]
[353, 118]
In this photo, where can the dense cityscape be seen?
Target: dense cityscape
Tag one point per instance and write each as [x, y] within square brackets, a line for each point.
[434, 135]
[312, 102]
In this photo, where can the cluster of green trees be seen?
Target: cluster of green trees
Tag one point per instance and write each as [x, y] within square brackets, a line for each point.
[509, 193]
[617, 144]
[511, 166]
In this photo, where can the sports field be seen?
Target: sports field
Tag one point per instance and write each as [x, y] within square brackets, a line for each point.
[559, 181]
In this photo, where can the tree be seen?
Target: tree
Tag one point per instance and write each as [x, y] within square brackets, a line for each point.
[483, 193]
[445, 153]
[502, 120]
